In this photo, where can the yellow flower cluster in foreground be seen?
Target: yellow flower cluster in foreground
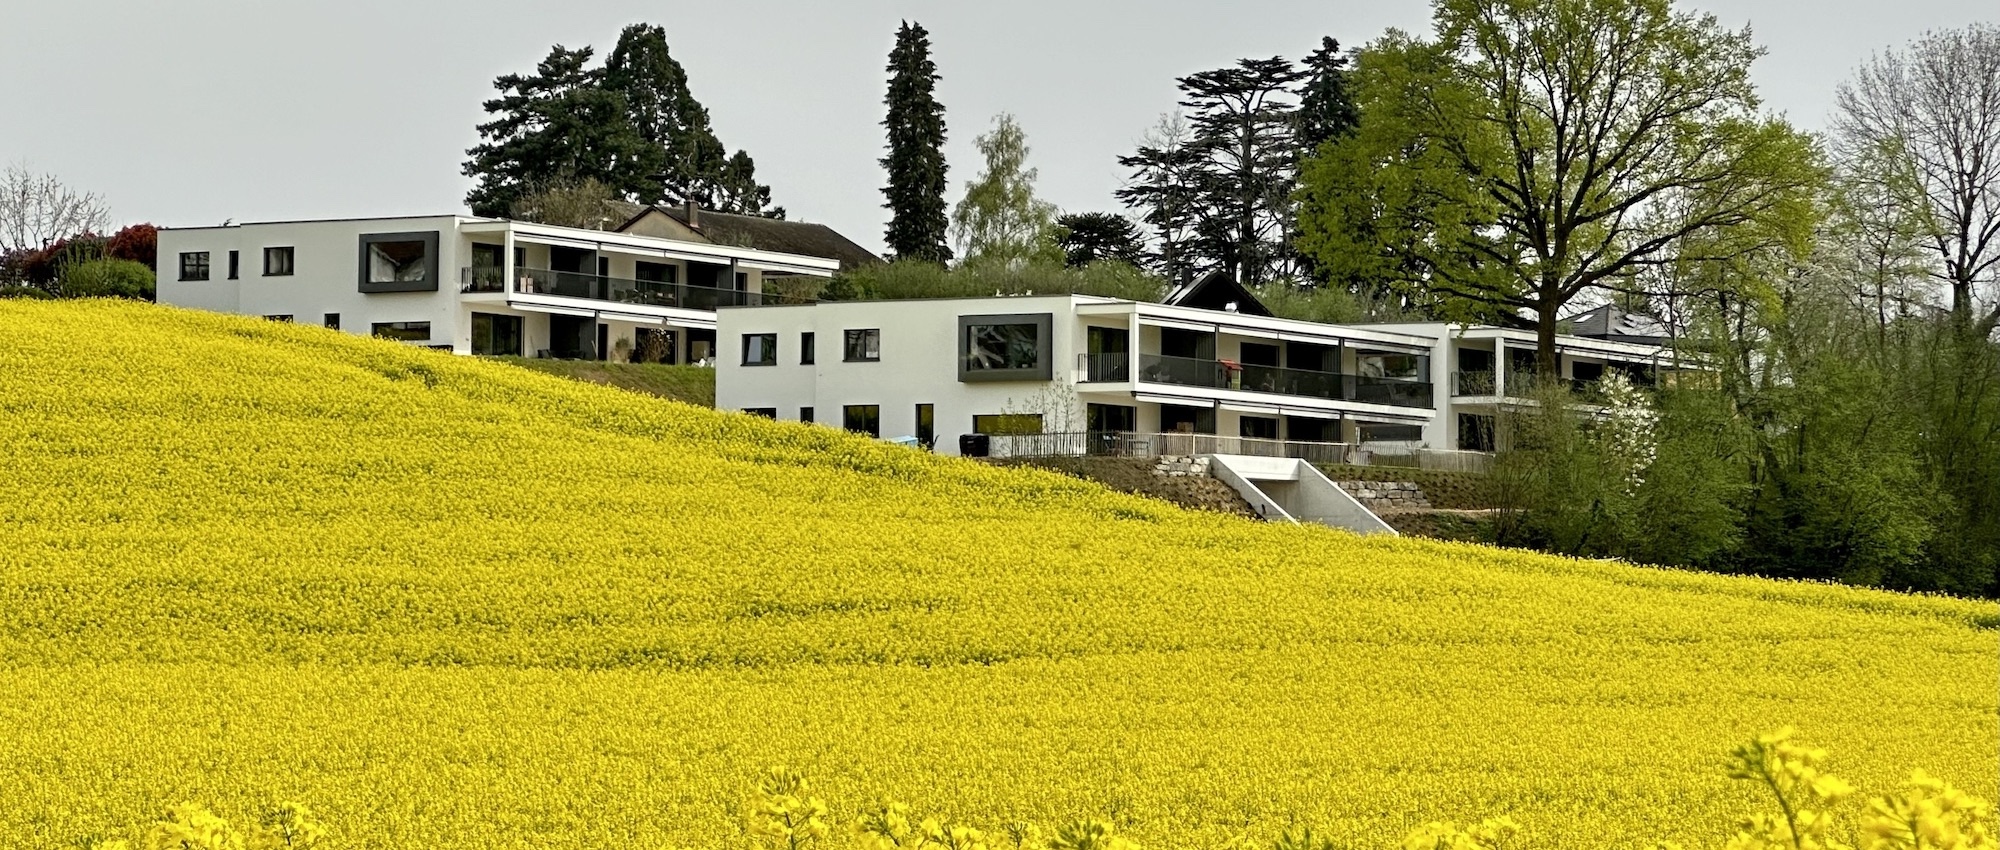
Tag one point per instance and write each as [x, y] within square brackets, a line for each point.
[454, 603]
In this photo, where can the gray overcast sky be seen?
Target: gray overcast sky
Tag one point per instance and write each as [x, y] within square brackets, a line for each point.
[190, 112]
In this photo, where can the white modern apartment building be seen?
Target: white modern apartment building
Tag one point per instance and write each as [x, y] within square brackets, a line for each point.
[1116, 375]
[476, 285]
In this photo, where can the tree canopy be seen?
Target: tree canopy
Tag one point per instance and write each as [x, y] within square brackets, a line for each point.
[1000, 219]
[1530, 152]
[631, 124]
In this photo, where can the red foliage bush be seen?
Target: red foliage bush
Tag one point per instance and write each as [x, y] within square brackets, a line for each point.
[138, 243]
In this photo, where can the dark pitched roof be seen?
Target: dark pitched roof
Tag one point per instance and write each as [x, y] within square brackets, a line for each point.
[764, 234]
[1606, 321]
[1216, 291]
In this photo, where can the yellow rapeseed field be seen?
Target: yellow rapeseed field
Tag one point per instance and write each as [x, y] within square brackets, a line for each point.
[450, 603]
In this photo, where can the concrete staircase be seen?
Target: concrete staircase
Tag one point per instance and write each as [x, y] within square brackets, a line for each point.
[1284, 489]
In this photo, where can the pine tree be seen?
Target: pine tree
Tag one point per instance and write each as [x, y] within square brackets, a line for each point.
[1244, 128]
[1326, 108]
[682, 159]
[1087, 238]
[559, 124]
[916, 166]
[1162, 189]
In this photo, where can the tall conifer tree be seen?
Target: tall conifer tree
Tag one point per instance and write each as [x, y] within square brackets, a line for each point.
[915, 122]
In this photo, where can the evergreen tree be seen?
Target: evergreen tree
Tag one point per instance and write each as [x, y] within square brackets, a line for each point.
[916, 166]
[682, 160]
[1244, 128]
[1162, 189]
[1326, 108]
[1087, 238]
[560, 123]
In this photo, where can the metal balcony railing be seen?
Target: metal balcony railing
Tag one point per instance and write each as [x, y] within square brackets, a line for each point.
[1143, 444]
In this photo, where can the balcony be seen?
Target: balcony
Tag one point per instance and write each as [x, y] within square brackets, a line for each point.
[1520, 384]
[1278, 380]
[615, 289]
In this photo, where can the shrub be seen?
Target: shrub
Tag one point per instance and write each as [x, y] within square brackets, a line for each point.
[107, 278]
[138, 243]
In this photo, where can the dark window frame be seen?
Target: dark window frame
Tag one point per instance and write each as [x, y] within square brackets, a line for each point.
[766, 412]
[331, 321]
[429, 238]
[805, 414]
[286, 318]
[375, 330]
[873, 424]
[1042, 370]
[806, 346]
[234, 265]
[851, 336]
[770, 357]
[1008, 424]
[194, 265]
[286, 251]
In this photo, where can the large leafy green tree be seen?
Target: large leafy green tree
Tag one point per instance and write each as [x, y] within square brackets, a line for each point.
[1000, 219]
[1532, 151]
[558, 124]
[915, 162]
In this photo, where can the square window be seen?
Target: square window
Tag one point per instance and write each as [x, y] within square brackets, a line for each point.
[805, 414]
[863, 345]
[862, 419]
[277, 262]
[194, 265]
[405, 331]
[333, 321]
[760, 349]
[806, 348]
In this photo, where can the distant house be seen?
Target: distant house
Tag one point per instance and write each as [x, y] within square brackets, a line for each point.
[1217, 291]
[690, 223]
[1608, 322]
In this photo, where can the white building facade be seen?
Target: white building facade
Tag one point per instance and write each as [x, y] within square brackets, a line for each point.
[1120, 376]
[476, 285]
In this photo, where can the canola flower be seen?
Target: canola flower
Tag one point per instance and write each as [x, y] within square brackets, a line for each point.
[454, 603]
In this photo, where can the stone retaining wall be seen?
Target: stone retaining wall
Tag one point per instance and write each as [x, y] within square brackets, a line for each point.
[1387, 495]
[1181, 466]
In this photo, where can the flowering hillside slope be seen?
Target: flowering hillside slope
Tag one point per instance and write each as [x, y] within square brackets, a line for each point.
[454, 603]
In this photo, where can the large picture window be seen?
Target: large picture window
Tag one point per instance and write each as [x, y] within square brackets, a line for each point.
[863, 345]
[862, 419]
[1003, 424]
[399, 262]
[760, 349]
[405, 331]
[495, 334]
[1005, 348]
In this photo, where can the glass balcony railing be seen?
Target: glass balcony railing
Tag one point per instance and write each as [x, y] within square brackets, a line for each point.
[1305, 383]
[616, 289]
[1520, 383]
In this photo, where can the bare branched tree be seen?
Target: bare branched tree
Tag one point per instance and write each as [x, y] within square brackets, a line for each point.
[1928, 117]
[37, 209]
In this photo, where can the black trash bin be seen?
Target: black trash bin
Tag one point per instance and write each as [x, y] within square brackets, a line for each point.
[973, 445]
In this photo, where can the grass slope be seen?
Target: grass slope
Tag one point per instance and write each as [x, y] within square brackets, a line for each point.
[691, 384]
[452, 603]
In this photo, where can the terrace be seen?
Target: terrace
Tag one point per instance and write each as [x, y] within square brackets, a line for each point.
[1246, 377]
